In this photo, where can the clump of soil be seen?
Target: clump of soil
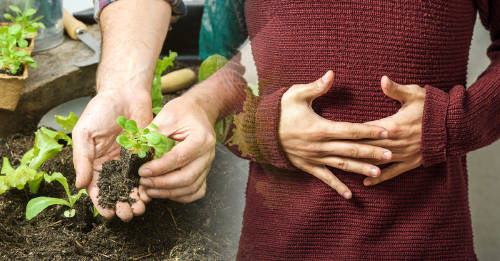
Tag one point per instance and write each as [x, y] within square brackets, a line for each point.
[119, 177]
[20, 71]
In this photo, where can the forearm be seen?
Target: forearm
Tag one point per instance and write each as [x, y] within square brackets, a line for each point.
[223, 92]
[133, 32]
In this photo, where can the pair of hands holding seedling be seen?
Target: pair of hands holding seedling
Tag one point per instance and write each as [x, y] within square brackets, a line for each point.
[312, 142]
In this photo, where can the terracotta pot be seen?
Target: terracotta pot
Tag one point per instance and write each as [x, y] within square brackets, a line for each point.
[10, 89]
[31, 38]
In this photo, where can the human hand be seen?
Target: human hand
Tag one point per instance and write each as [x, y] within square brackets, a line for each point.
[311, 142]
[405, 130]
[181, 173]
[94, 143]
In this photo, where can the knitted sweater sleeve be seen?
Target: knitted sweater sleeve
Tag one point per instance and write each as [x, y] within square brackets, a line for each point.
[462, 120]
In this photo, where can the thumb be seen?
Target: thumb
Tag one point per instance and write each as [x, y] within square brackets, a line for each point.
[317, 88]
[393, 90]
[83, 155]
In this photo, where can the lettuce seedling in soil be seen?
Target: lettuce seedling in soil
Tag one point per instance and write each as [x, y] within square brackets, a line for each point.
[11, 59]
[138, 146]
[161, 66]
[38, 204]
[24, 19]
[46, 147]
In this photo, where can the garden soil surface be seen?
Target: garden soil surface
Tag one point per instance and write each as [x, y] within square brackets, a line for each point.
[207, 229]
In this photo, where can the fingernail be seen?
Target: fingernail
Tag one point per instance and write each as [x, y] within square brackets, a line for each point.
[387, 155]
[374, 171]
[367, 182]
[326, 77]
[145, 172]
[347, 195]
[145, 182]
[384, 134]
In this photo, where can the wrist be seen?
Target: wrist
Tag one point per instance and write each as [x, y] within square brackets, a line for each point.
[208, 105]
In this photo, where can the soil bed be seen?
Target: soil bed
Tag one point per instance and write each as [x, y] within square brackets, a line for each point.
[203, 230]
[20, 71]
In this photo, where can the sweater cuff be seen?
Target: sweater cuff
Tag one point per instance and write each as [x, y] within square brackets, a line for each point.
[434, 135]
[267, 131]
[178, 8]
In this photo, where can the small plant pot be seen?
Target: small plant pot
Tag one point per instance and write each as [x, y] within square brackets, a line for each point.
[31, 39]
[10, 89]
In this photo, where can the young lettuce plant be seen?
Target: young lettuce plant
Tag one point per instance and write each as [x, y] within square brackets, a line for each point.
[12, 59]
[38, 204]
[46, 147]
[161, 66]
[28, 24]
[141, 141]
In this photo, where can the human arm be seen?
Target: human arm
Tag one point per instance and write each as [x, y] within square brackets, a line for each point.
[447, 124]
[133, 32]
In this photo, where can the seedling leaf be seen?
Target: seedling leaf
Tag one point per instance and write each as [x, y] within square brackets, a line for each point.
[37, 205]
[67, 123]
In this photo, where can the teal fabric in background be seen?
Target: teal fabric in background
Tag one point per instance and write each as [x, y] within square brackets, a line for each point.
[223, 28]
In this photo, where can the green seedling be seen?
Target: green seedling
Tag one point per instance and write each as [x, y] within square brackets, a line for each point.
[46, 147]
[141, 141]
[12, 35]
[28, 24]
[12, 59]
[67, 123]
[161, 66]
[38, 204]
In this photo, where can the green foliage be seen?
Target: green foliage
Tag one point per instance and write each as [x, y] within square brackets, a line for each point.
[12, 59]
[222, 128]
[67, 123]
[37, 205]
[46, 147]
[28, 24]
[140, 141]
[161, 66]
[210, 66]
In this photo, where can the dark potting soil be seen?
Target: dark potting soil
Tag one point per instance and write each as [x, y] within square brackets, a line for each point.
[118, 177]
[207, 229]
[19, 72]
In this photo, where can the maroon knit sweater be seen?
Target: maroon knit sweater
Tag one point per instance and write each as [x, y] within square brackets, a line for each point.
[420, 215]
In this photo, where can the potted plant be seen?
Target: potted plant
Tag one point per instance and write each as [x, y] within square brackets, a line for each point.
[13, 71]
[23, 26]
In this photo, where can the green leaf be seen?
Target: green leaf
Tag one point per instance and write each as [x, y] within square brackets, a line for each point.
[15, 9]
[4, 186]
[74, 198]
[157, 110]
[37, 205]
[28, 156]
[57, 135]
[30, 12]
[69, 213]
[35, 183]
[210, 66]
[131, 126]
[124, 141]
[8, 17]
[15, 29]
[45, 148]
[95, 212]
[59, 178]
[6, 167]
[141, 154]
[153, 126]
[155, 137]
[67, 123]
[121, 120]
[22, 43]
